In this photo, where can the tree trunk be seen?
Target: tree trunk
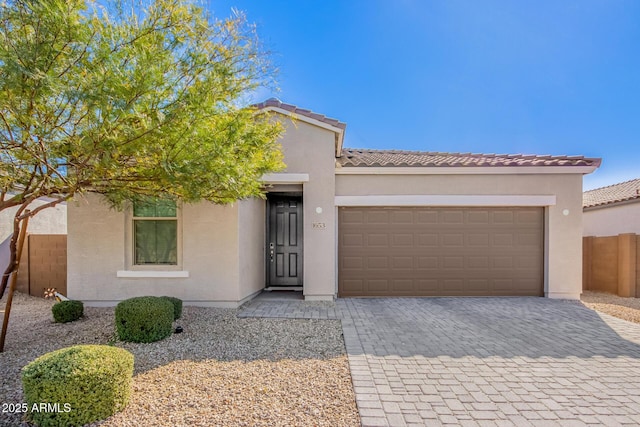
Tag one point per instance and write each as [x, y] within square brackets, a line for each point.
[14, 275]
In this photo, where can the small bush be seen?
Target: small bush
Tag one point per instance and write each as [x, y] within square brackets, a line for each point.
[144, 319]
[67, 311]
[80, 384]
[177, 306]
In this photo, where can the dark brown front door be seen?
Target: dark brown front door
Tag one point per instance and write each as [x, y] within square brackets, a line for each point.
[284, 241]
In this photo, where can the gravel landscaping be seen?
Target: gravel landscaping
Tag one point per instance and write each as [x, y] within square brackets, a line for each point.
[623, 308]
[221, 371]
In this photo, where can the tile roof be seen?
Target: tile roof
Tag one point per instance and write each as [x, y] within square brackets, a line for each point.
[622, 192]
[352, 157]
[275, 102]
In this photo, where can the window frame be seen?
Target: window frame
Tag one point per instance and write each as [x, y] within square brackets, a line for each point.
[130, 249]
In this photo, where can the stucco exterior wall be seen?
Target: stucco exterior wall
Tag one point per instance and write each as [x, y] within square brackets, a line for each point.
[311, 150]
[98, 248]
[612, 220]
[48, 221]
[222, 248]
[563, 234]
[251, 233]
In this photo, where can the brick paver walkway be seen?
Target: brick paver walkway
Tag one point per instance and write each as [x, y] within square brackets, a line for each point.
[483, 361]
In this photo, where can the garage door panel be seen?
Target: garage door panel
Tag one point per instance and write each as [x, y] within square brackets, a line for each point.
[379, 286]
[380, 217]
[452, 262]
[502, 239]
[353, 286]
[426, 217]
[452, 240]
[352, 239]
[379, 262]
[479, 216]
[402, 240]
[352, 262]
[375, 240]
[528, 239]
[503, 217]
[478, 239]
[427, 252]
[428, 285]
[402, 263]
[430, 240]
[529, 263]
[455, 286]
[481, 262]
[477, 287]
[352, 217]
[452, 216]
[530, 218]
[402, 285]
[502, 262]
[402, 217]
[427, 263]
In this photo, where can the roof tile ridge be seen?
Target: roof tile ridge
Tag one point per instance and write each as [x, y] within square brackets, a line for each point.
[275, 102]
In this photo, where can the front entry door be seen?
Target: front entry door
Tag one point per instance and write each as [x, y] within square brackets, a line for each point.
[284, 241]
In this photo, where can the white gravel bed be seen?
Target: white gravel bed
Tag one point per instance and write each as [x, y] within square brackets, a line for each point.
[220, 371]
[613, 305]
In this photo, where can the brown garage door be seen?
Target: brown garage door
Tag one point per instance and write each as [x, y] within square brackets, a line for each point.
[421, 251]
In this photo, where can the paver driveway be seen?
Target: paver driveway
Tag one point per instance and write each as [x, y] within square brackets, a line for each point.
[487, 361]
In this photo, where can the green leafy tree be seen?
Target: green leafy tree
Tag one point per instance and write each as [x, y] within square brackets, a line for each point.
[129, 100]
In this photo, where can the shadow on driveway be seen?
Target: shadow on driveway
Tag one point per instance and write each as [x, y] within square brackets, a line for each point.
[483, 327]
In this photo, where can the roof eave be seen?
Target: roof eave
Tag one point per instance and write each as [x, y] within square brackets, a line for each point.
[463, 170]
[611, 204]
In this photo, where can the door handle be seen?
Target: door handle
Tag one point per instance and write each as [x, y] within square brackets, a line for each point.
[271, 251]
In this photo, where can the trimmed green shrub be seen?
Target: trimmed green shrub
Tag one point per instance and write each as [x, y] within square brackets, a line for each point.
[177, 306]
[67, 311]
[79, 385]
[144, 319]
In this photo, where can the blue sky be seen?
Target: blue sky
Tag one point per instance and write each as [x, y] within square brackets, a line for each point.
[543, 77]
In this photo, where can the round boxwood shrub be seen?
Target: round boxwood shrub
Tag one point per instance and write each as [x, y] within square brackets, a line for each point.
[144, 319]
[78, 385]
[67, 311]
[177, 306]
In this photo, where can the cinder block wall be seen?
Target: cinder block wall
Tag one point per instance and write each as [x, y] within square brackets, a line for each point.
[43, 264]
[612, 264]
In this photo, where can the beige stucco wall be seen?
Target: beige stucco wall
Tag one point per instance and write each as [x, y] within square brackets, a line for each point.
[251, 250]
[48, 221]
[612, 220]
[563, 234]
[310, 149]
[222, 247]
[98, 247]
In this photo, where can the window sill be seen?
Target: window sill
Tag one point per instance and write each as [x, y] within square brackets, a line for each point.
[152, 274]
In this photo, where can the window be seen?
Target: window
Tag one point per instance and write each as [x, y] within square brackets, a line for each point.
[155, 233]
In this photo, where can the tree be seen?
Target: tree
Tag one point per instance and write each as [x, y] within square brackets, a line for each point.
[133, 100]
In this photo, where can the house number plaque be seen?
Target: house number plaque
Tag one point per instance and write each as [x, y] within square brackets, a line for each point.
[319, 225]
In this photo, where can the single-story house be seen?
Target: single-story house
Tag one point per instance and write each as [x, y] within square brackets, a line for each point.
[612, 210]
[342, 222]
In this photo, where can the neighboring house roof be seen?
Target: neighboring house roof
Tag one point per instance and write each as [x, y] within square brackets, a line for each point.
[617, 193]
[352, 157]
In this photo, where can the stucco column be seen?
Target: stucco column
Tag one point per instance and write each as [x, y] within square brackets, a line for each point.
[564, 245]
